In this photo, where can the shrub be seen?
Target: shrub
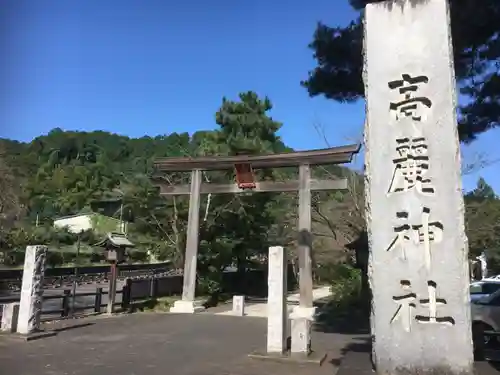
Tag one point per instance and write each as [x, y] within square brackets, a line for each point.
[345, 281]
[54, 259]
[210, 283]
[347, 309]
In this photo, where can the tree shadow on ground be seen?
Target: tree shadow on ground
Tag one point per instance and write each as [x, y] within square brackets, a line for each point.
[490, 358]
[362, 345]
[494, 365]
[350, 316]
[356, 358]
[216, 299]
[72, 326]
[161, 304]
[50, 329]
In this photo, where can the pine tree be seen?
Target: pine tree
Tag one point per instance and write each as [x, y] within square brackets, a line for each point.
[482, 191]
[243, 221]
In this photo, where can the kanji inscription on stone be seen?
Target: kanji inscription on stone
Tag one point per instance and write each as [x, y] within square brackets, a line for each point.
[411, 167]
[410, 104]
[414, 207]
[432, 303]
[406, 303]
[402, 234]
[425, 233]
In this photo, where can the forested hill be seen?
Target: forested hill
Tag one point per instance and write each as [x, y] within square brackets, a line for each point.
[66, 172]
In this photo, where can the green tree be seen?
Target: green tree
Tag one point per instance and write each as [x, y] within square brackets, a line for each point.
[483, 226]
[239, 228]
[159, 224]
[475, 30]
[10, 197]
[482, 191]
[482, 219]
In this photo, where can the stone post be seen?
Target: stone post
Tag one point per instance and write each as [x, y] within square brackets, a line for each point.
[239, 305]
[110, 307]
[187, 303]
[10, 316]
[276, 301]
[415, 213]
[30, 306]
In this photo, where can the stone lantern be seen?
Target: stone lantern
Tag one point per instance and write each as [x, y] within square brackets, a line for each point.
[114, 245]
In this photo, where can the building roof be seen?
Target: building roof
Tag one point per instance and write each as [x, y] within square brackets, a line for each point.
[115, 240]
[76, 215]
[89, 214]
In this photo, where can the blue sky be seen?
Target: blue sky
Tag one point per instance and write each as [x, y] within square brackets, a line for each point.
[155, 67]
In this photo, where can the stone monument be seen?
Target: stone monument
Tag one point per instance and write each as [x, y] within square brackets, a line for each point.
[415, 212]
[30, 306]
[239, 305]
[10, 316]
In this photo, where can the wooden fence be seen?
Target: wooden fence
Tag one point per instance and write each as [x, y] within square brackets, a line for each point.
[65, 309]
[254, 284]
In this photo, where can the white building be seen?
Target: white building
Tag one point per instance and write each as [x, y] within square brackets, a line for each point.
[91, 221]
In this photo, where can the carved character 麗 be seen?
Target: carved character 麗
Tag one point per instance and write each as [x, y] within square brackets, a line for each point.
[411, 166]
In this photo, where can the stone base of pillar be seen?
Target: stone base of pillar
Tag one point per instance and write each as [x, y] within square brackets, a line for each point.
[302, 319]
[299, 352]
[301, 336]
[313, 358]
[35, 335]
[186, 307]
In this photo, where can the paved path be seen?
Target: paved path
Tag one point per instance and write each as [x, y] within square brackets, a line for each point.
[155, 344]
[260, 309]
[177, 344]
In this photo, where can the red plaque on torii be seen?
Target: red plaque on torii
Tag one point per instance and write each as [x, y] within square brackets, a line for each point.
[244, 176]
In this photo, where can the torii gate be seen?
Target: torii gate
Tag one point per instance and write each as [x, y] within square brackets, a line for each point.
[244, 165]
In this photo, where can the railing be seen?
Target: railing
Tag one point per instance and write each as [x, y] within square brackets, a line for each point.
[124, 270]
[65, 276]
